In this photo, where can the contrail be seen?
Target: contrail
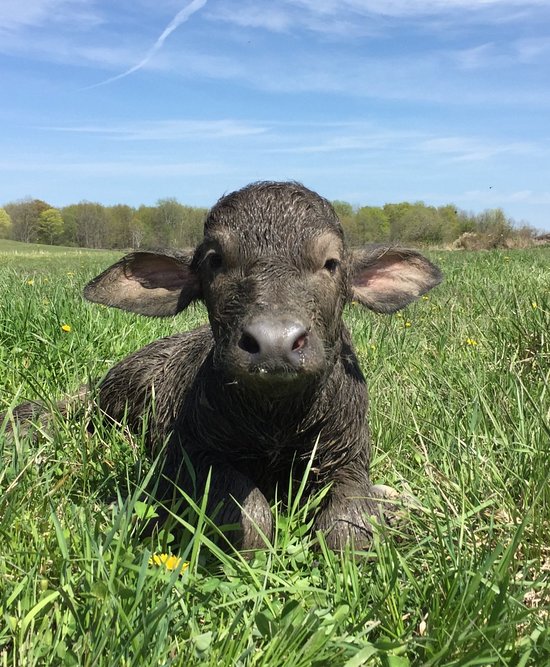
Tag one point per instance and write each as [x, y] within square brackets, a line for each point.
[178, 19]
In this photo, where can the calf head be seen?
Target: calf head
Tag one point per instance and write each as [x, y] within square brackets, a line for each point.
[274, 272]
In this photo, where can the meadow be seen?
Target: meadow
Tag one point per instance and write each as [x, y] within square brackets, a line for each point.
[459, 416]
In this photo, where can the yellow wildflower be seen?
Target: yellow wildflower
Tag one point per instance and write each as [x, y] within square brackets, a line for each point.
[535, 305]
[408, 324]
[66, 328]
[471, 341]
[30, 282]
[169, 561]
[425, 298]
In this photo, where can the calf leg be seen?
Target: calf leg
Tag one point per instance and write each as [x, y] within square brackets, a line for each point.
[233, 499]
[349, 512]
[26, 415]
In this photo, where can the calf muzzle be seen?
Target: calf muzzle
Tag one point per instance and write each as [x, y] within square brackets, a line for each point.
[277, 349]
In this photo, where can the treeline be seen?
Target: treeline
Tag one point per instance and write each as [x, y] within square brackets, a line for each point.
[169, 223]
[92, 225]
[420, 224]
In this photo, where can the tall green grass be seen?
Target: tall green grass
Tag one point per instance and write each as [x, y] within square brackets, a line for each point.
[459, 414]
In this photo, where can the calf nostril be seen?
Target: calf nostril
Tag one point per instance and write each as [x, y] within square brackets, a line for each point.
[300, 342]
[249, 344]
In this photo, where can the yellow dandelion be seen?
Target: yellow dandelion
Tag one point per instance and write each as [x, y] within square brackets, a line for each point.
[535, 305]
[66, 328]
[471, 341]
[425, 298]
[30, 282]
[169, 561]
[408, 324]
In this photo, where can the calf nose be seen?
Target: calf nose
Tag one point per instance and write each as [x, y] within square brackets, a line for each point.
[274, 341]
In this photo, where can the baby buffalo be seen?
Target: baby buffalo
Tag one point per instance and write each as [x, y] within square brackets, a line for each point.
[272, 384]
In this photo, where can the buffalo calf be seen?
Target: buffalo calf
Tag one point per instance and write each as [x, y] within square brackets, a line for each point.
[273, 381]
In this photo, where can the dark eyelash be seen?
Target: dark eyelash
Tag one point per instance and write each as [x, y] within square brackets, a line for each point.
[331, 265]
[214, 260]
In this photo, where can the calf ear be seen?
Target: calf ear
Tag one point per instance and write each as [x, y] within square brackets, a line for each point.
[387, 279]
[148, 283]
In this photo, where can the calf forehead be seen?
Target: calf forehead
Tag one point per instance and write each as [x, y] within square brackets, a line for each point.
[273, 216]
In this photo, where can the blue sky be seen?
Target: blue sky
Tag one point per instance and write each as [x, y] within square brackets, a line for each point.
[368, 101]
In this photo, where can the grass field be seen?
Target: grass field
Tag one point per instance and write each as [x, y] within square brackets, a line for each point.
[460, 405]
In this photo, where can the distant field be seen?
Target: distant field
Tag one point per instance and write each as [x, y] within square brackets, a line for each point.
[459, 413]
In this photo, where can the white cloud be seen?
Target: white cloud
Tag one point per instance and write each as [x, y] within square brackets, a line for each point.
[18, 14]
[168, 130]
[475, 57]
[362, 17]
[340, 139]
[530, 50]
[499, 198]
[272, 18]
[46, 165]
[410, 7]
[462, 149]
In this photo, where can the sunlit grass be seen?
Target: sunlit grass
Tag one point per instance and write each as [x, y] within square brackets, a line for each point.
[459, 414]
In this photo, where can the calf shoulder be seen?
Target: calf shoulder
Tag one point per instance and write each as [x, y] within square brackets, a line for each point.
[154, 383]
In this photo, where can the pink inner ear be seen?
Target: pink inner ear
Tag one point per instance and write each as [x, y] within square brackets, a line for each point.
[383, 274]
[391, 274]
[158, 272]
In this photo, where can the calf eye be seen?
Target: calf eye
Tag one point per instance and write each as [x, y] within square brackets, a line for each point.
[331, 265]
[214, 260]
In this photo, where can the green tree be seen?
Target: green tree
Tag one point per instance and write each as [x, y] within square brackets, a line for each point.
[372, 224]
[25, 214]
[144, 233]
[50, 226]
[137, 231]
[396, 215]
[119, 226]
[168, 221]
[192, 227]
[6, 225]
[421, 224]
[90, 223]
[343, 209]
[450, 222]
[69, 224]
[494, 222]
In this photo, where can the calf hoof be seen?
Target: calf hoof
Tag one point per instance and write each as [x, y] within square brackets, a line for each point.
[254, 523]
[395, 507]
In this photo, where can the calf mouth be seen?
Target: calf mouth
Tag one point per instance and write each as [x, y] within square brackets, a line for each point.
[273, 384]
[272, 373]
[275, 374]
